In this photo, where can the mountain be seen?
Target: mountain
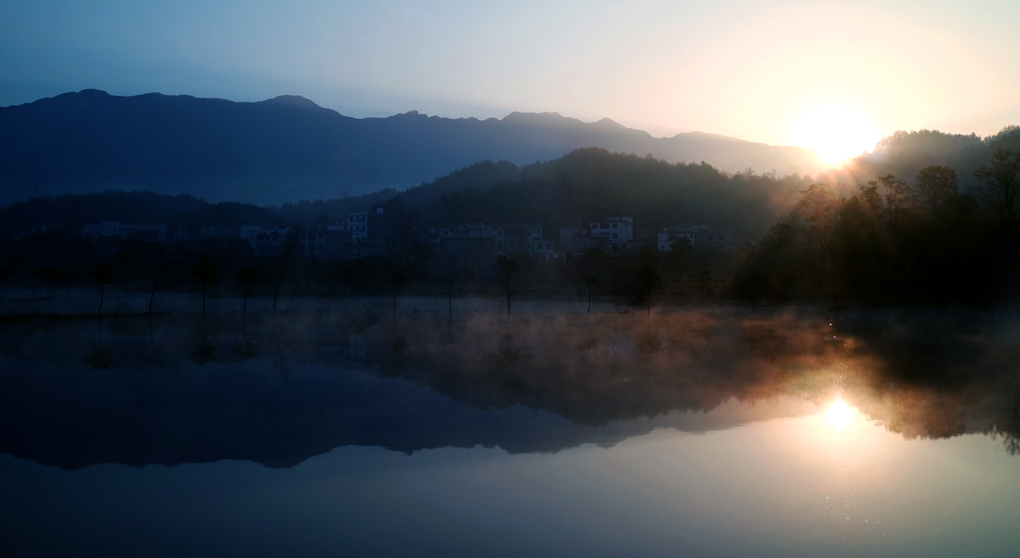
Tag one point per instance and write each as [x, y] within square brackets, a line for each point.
[904, 154]
[289, 148]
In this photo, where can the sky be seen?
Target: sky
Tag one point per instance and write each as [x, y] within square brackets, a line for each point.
[773, 72]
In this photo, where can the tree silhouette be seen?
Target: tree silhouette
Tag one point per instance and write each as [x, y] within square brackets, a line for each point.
[205, 272]
[398, 281]
[591, 281]
[156, 280]
[102, 275]
[246, 280]
[507, 268]
[934, 186]
[648, 272]
[1001, 185]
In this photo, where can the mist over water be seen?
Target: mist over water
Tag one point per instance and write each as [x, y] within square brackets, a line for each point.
[691, 422]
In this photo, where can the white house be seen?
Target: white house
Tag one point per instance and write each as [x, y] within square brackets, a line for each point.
[618, 231]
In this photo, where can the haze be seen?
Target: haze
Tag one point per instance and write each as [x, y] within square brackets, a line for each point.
[745, 69]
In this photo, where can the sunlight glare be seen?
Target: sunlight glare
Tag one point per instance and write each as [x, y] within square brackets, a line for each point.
[835, 133]
[839, 415]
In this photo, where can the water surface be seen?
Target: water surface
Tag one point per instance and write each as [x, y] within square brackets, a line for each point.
[354, 431]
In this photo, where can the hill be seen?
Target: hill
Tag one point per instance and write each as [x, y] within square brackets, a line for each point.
[288, 148]
[904, 154]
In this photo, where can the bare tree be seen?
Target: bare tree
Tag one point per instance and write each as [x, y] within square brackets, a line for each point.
[591, 281]
[205, 272]
[102, 274]
[508, 268]
[246, 280]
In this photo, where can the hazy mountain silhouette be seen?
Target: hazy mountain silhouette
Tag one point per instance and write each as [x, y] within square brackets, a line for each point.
[289, 148]
[904, 154]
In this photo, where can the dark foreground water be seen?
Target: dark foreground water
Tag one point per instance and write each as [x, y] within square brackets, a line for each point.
[349, 432]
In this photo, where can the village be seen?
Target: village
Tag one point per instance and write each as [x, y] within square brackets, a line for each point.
[471, 247]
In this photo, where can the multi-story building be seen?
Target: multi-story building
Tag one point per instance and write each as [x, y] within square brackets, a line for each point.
[515, 238]
[325, 243]
[373, 224]
[669, 235]
[618, 232]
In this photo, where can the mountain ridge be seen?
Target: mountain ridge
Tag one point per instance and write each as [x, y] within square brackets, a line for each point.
[289, 147]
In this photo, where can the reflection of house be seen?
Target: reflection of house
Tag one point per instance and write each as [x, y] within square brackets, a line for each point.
[351, 349]
[618, 232]
[155, 233]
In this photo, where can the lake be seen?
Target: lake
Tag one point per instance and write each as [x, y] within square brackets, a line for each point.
[341, 428]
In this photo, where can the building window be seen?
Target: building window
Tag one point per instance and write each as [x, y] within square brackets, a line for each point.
[614, 235]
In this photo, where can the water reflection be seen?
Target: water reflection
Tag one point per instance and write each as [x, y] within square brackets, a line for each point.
[298, 385]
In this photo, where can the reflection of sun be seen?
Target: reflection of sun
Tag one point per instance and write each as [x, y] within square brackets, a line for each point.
[834, 133]
[839, 415]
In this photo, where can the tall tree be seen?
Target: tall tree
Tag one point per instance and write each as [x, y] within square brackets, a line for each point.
[507, 268]
[205, 272]
[648, 275]
[934, 186]
[103, 275]
[1001, 185]
[246, 280]
[591, 281]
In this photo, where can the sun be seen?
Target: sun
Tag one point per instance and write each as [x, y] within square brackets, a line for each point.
[839, 415]
[835, 133]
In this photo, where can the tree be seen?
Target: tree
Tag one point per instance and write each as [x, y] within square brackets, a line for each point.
[752, 286]
[934, 186]
[246, 280]
[102, 274]
[398, 282]
[507, 268]
[205, 272]
[155, 282]
[591, 281]
[1001, 185]
[679, 251]
[648, 272]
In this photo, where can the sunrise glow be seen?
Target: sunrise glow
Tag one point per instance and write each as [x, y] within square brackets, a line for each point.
[835, 133]
[839, 415]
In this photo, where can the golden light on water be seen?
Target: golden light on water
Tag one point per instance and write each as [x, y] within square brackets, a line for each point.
[839, 415]
[835, 133]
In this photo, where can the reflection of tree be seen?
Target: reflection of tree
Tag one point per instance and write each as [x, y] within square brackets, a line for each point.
[99, 358]
[203, 353]
[102, 274]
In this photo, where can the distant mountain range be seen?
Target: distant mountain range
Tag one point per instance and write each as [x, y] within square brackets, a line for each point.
[289, 148]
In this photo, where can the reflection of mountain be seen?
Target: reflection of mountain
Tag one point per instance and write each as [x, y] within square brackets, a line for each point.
[289, 148]
[344, 381]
